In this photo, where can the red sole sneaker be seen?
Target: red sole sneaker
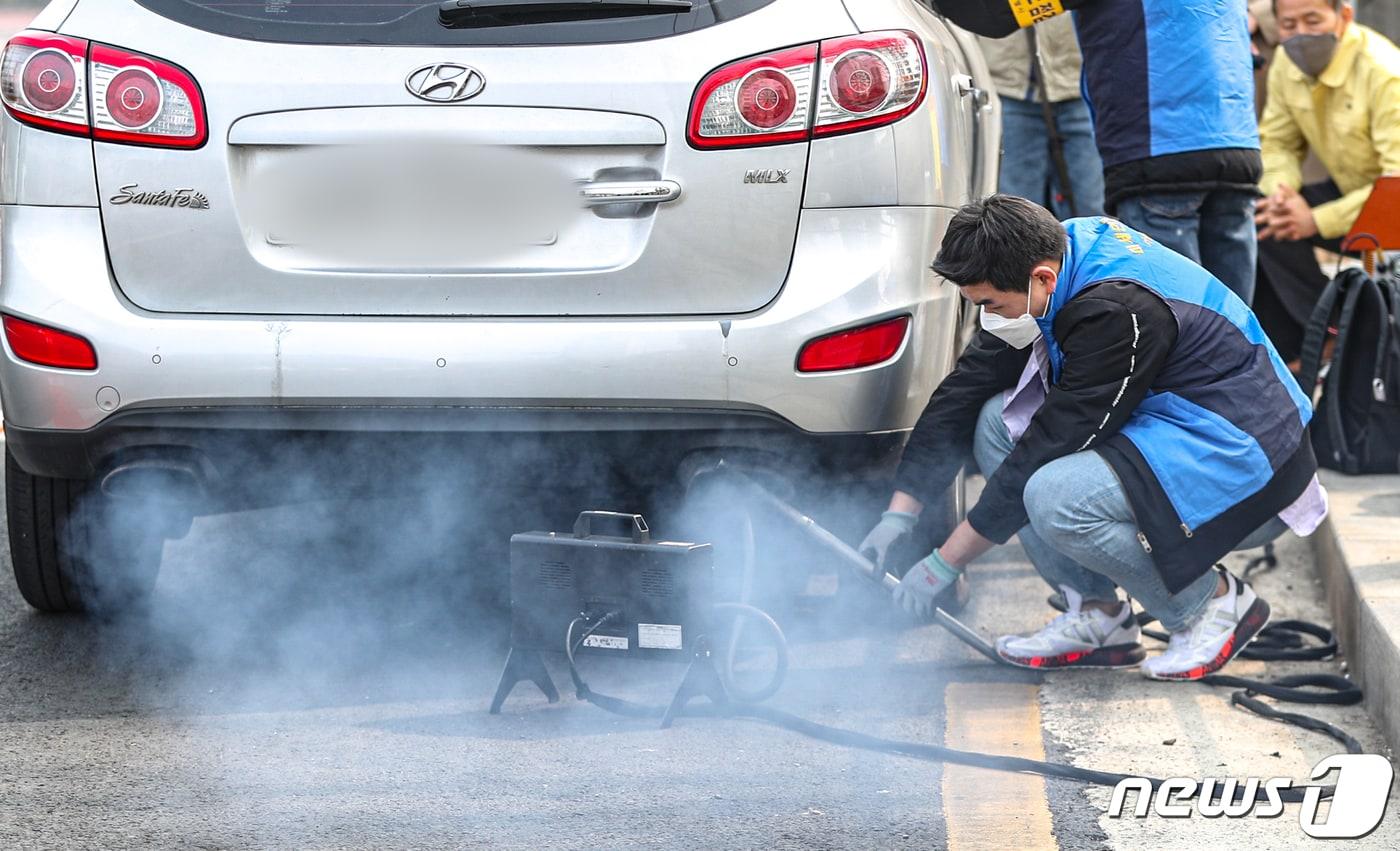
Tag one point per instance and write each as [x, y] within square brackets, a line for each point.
[1249, 626]
[1117, 656]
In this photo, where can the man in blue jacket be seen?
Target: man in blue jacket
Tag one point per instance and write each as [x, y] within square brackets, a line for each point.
[1170, 84]
[1134, 425]
[1171, 87]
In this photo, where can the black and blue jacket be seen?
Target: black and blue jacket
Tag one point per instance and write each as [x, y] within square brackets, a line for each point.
[1171, 87]
[1163, 371]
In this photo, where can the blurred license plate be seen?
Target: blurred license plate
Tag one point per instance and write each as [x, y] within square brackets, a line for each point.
[385, 203]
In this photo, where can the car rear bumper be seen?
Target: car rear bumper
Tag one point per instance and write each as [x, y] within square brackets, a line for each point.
[718, 375]
[249, 456]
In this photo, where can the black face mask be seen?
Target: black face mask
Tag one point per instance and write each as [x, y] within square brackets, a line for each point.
[1311, 53]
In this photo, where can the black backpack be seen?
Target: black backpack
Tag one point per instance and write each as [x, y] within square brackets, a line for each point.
[1356, 425]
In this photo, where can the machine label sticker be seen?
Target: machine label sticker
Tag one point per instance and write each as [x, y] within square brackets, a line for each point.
[659, 636]
[606, 642]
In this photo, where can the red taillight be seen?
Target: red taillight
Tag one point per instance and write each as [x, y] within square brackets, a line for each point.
[141, 99]
[767, 99]
[48, 346]
[133, 98]
[49, 80]
[875, 79]
[52, 81]
[854, 348]
[860, 82]
[43, 81]
[759, 101]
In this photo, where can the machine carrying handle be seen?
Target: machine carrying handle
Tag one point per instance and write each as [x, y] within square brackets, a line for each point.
[583, 526]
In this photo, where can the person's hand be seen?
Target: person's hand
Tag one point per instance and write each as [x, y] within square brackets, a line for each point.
[894, 526]
[1285, 215]
[1295, 219]
[1264, 211]
[923, 583]
[1261, 209]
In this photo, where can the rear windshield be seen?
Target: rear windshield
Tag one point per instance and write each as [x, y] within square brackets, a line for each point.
[404, 23]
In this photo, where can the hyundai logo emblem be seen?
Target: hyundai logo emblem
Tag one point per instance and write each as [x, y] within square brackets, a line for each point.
[445, 82]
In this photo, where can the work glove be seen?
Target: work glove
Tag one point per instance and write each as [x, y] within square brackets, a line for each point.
[923, 583]
[894, 527]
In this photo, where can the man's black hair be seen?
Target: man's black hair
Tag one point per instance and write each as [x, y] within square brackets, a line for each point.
[999, 240]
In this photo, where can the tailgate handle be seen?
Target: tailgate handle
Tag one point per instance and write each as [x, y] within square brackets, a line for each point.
[629, 192]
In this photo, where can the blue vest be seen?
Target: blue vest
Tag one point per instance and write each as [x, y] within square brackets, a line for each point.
[1224, 412]
[1167, 76]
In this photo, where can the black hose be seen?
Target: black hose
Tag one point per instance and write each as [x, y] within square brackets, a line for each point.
[1246, 700]
[725, 669]
[938, 753]
[1279, 641]
[1282, 641]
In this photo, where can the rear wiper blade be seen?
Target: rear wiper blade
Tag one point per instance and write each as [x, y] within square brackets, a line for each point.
[491, 13]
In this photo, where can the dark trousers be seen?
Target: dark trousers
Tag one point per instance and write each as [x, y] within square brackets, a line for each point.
[1289, 281]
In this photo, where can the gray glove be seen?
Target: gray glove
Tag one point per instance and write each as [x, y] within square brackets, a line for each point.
[894, 526]
[923, 583]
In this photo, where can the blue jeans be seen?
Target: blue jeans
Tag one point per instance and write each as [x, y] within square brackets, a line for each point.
[1215, 229]
[1082, 532]
[1028, 169]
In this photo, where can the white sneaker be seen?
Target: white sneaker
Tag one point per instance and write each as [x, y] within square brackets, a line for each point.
[1228, 624]
[1079, 638]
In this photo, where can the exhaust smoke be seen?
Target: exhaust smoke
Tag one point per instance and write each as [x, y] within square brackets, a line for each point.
[316, 663]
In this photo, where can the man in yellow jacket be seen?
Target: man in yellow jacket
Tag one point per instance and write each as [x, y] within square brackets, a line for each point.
[1334, 88]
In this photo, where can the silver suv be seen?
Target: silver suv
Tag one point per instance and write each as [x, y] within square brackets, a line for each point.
[228, 226]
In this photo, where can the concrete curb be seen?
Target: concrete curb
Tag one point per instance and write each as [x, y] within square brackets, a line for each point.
[1358, 557]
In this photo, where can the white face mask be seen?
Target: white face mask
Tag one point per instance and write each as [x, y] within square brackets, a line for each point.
[1019, 332]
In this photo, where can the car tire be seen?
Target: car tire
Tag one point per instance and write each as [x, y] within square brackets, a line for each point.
[72, 549]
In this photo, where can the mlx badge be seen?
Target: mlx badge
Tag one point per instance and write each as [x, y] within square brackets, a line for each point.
[767, 175]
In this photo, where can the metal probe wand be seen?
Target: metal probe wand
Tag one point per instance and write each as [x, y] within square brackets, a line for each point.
[852, 559]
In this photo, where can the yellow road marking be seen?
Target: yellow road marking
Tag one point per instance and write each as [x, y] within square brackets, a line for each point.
[995, 809]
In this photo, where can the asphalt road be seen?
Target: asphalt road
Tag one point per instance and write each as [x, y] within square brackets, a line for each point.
[304, 681]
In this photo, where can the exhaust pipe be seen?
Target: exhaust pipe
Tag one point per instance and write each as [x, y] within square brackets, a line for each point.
[848, 555]
[698, 466]
[172, 489]
[163, 478]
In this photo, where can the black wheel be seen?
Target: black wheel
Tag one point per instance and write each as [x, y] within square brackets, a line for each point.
[74, 549]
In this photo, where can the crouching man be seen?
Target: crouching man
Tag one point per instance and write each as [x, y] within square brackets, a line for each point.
[1134, 425]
